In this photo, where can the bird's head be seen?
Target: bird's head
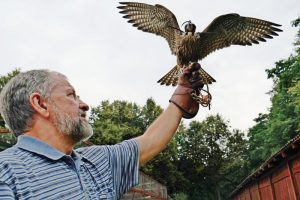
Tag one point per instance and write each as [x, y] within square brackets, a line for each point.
[189, 26]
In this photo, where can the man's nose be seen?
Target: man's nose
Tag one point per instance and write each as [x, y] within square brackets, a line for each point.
[83, 106]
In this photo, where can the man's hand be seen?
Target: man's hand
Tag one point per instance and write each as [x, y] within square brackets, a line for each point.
[188, 82]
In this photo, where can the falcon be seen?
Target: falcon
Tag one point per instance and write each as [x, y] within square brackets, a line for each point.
[191, 46]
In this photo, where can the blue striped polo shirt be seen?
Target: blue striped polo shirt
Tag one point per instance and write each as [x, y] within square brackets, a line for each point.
[34, 170]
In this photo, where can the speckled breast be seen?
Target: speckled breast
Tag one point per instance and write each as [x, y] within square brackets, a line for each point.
[187, 50]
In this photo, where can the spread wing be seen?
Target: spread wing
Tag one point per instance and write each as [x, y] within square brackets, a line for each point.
[153, 19]
[233, 29]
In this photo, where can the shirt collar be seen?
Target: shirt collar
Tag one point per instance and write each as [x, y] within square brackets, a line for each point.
[39, 147]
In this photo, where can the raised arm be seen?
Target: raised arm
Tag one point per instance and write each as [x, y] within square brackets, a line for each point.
[161, 131]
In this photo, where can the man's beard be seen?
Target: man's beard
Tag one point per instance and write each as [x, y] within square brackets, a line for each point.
[76, 128]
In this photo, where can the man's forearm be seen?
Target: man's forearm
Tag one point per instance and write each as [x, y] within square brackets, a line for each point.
[159, 133]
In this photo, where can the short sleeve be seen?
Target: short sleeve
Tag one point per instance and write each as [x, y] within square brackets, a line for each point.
[124, 162]
[6, 192]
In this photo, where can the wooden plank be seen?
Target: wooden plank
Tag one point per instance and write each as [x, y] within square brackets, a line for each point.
[283, 190]
[144, 193]
[280, 173]
[254, 192]
[282, 183]
[265, 189]
[247, 194]
[291, 182]
[295, 170]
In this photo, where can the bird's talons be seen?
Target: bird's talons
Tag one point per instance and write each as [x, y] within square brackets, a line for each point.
[203, 97]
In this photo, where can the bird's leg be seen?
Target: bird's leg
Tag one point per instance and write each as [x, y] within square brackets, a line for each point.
[202, 96]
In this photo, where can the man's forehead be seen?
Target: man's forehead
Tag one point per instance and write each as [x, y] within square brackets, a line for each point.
[61, 81]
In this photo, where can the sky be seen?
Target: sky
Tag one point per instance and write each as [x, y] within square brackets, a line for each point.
[105, 58]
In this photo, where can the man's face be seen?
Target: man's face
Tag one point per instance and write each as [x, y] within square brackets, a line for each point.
[68, 112]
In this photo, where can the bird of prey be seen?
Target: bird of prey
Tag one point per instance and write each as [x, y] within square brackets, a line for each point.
[191, 46]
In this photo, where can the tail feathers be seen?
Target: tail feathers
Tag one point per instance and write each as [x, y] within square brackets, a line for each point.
[207, 79]
[171, 78]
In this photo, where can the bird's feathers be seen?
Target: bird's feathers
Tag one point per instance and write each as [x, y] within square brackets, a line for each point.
[233, 29]
[155, 19]
[223, 31]
[171, 77]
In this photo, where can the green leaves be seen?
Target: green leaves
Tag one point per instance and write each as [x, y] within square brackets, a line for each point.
[115, 122]
[6, 140]
[282, 123]
[4, 79]
[210, 154]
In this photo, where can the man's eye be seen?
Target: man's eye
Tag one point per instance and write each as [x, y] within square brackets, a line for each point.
[72, 94]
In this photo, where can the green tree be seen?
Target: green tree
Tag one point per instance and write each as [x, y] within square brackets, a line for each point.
[257, 151]
[274, 129]
[295, 93]
[6, 140]
[3, 80]
[210, 155]
[115, 122]
[235, 167]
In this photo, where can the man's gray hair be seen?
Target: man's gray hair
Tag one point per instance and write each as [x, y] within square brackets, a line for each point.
[15, 107]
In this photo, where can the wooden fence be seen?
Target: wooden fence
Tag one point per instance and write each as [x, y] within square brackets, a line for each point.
[148, 188]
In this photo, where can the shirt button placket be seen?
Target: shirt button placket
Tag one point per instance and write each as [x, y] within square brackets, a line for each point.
[71, 162]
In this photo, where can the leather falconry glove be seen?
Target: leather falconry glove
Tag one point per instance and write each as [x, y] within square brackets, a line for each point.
[189, 82]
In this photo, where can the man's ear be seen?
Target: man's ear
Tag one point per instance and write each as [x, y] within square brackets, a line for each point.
[39, 104]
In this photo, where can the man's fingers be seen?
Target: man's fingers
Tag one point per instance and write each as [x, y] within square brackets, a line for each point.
[194, 67]
[191, 68]
[197, 84]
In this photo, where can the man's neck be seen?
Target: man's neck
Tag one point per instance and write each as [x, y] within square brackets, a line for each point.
[52, 137]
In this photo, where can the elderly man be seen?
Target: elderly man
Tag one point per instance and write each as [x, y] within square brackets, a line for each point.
[43, 110]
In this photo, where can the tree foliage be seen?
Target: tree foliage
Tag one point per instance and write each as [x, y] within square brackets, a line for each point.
[6, 140]
[274, 129]
[114, 122]
[5, 78]
[210, 154]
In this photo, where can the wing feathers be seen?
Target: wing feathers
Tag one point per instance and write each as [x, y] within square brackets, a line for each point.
[155, 19]
[233, 29]
[171, 77]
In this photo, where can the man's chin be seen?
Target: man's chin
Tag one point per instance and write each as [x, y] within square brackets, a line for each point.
[88, 136]
[84, 134]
